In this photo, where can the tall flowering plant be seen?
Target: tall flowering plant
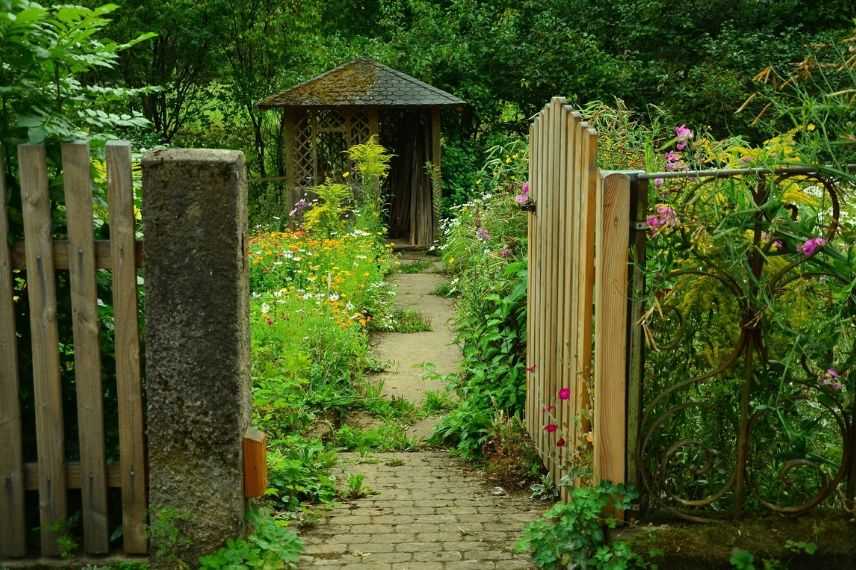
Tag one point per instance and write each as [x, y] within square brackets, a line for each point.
[750, 313]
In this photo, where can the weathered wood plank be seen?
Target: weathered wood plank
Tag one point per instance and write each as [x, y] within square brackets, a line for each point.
[87, 353]
[613, 238]
[45, 343]
[128, 385]
[13, 533]
[103, 260]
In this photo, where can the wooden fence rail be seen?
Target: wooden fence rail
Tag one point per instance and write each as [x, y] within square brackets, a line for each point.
[81, 255]
[577, 304]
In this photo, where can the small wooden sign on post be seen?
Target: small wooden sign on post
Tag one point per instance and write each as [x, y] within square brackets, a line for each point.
[255, 463]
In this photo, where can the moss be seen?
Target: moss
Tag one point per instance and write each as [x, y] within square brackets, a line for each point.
[709, 546]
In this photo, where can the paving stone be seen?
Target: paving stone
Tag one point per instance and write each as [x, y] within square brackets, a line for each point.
[431, 512]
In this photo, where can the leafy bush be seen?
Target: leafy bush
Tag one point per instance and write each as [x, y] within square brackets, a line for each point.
[572, 534]
[299, 471]
[270, 546]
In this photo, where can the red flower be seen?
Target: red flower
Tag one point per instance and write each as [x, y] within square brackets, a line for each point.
[530, 369]
[564, 394]
[561, 442]
[550, 428]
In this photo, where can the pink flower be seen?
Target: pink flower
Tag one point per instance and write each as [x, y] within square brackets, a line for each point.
[482, 233]
[551, 428]
[523, 197]
[664, 216]
[564, 393]
[674, 162]
[561, 442]
[658, 182]
[683, 133]
[810, 246]
[505, 252]
[531, 369]
[549, 408]
[832, 380]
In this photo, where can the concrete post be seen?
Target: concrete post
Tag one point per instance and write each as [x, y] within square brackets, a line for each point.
[196, 350]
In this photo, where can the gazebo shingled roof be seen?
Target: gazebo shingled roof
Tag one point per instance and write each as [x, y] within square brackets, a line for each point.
[362, 83]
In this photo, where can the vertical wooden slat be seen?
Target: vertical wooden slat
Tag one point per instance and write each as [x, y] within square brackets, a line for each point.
[13, 536]
[45, 343]
[129, 390]
[544, 193]
[585, 253]
[556, 219]
[289, 127]
[549, 218]
[531, 243]
[568, 368]
[579, 401]
[562, 292]
[536, 363]
[613, 238]
[87, 358]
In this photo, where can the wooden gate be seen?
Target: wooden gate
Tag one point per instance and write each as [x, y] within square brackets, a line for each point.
[577, 306]
[38, 258]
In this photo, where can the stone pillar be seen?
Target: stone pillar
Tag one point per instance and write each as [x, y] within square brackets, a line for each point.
[196, 350]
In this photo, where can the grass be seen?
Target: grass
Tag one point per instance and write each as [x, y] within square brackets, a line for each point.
[416, 266]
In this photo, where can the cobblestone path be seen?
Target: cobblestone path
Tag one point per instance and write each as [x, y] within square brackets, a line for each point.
[427, 510]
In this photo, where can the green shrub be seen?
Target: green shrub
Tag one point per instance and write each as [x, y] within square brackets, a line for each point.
[299, 472]
[572, 534]
[270, 546]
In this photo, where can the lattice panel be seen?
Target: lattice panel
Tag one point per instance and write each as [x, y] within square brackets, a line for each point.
[359, 127]
[304, 163]
[332, 160]
[330, 120]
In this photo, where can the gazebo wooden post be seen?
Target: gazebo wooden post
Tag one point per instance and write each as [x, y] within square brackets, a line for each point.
[374, 124]
[436, 178]
[289, 126]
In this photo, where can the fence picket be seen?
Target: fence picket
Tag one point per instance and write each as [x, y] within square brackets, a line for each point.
[41, 289]
[530, 288]
[87, 354]
[586, 246]
[13, 537]
[128, 386]
[613, 240]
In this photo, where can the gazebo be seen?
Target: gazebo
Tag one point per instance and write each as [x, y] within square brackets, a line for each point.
[345, 106]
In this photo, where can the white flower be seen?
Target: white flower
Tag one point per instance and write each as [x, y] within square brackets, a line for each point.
[265, 308]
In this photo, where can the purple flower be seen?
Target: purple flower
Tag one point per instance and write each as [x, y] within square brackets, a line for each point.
[664, 216]
[505, 252]
[658, 182]
[482, 233]
[810, 246]
[683, 133]
[299, 206]
[674, 162]
[832, 380]
[564, 393]
[523, 197]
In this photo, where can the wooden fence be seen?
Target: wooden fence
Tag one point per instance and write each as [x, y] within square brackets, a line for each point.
[577, 305]
[40, 256]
